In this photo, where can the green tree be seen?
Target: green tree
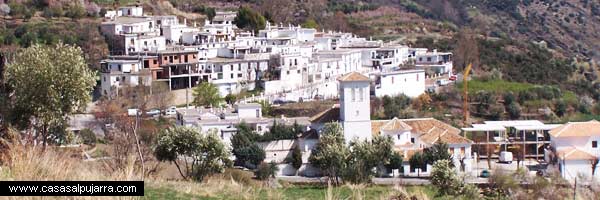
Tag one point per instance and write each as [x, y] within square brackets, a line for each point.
[417, 162]
[202, 154]
[249, 19]
[509, 98]
[247, 153]
[48, 84]
[365, 155]
[230, 99]
[75, 11]
[514, 110]
[438, 151]
[296, 158]
[395, 162]
[444, 178]
[206, 94]
[310, 23]
[331, 152]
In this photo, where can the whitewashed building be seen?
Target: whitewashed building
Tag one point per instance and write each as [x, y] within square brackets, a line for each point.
[574, 147]
[116, 74]
[408, 82]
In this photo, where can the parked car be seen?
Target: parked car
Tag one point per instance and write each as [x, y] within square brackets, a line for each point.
[506, 157]
[171, 111]
[485, 173]
[133, 112]
[153, 112]
[443, 82]
[452, 78]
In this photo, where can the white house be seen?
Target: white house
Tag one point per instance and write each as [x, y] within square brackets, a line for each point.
[574, 147]
[408, 82]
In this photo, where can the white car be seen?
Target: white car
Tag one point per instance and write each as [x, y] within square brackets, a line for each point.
[171, 111]
[133, 112]
[506, 157]
[153, 112]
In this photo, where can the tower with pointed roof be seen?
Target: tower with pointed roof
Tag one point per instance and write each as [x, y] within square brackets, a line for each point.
[355, 108]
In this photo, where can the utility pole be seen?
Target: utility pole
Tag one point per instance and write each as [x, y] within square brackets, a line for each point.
[575, 189]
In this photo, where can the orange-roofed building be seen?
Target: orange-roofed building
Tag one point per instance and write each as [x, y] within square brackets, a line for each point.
[574, 146]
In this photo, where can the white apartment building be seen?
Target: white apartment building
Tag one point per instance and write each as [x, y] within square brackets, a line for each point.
[221, 26]
[116, 74]
[435, 62]
[408, 82]
[388, 57]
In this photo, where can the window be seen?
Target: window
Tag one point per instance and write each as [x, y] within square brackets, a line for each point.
[428, 59]
[257, 113]
[239, 75]
[353, 92]
[231, 67]
[119, 67]
[231, 75]
[594, 144]
[398, 136]
[412, 140]
[155, 62]
[145, 43]
[361, 95]
[117, 78]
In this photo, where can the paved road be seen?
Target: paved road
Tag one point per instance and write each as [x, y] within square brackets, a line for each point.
[379, 181]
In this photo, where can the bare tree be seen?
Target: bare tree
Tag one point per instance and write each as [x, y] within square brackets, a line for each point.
[161, 97]
[467, 50]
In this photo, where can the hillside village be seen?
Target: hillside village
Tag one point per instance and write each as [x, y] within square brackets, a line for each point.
[291, 63]
[169, 81]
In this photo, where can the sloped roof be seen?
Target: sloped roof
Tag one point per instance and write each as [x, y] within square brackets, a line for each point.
[431, 130]
[572, 153]
[396, 125]
[330, 115]
[354, 76]
[577, 129]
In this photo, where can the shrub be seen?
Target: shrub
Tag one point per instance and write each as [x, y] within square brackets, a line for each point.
[444, 178]
[87, 136]
[266, 170]
[75, 11]
[560, 108]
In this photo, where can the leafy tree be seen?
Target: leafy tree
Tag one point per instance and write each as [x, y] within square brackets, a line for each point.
[366, 155]
[265, 107]
[230, 99]
[331, 152]
[206, 94]
[249, 19]
[444, 178]
[266, 171]
[202, 154]
[509, 98]
[514, 110]
[438, 151]
[279, 131]
[395, 161]
[245, 149]
[49, 83]
[296, 158]
[75, 11]
[393, 105]
[161, 97]
[310, 23]
[417, 161]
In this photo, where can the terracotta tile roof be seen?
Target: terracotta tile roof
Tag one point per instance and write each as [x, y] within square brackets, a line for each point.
[396, 125]
[577, 129]
[431, 130]
[354, 76]
[330, 115]
[573, 153]
[376, 126]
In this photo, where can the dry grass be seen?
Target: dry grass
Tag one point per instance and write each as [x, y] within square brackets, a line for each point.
[33, 164]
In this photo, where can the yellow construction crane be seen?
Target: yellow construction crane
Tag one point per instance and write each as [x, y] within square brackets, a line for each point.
[466, 94]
